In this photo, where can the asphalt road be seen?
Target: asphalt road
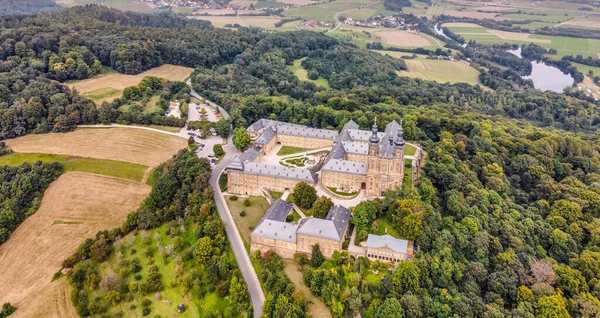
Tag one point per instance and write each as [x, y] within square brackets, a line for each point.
[256, 294]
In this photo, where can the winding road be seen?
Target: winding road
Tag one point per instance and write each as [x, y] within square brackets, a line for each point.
[257, 295]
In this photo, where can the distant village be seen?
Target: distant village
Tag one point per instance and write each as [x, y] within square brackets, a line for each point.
[379, 21]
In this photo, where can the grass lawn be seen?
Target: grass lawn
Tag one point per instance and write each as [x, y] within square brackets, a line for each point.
[347, 194]
[151, 106]
[113, 168]
[385, 227]
[410, 150]
[441, 71]
[102, 93]
[302, 74]
[287, 150]
[408, 176]
[261, 4]
[276, 194]
[295, 217]
[254, 213]
[586, 68]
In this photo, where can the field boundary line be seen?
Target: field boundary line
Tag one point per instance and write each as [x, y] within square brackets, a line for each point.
[130, 126]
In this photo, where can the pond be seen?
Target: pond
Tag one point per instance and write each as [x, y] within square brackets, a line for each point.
[546, 77]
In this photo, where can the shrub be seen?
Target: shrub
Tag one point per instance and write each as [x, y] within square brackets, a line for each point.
[146, 311]
[233, 198]
[243, 213]
[247, 202]
[146, 302]
[289, 218]
[132, 306]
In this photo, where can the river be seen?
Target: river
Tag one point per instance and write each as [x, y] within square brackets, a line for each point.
[546, 77]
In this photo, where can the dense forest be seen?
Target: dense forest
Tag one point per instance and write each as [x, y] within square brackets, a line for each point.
[200, 247]
[37, 51]
[21, 191]
[26, 6]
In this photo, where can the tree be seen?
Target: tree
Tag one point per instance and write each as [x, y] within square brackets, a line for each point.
[316, 258]
[241, 139]
[204, 250]
[406, 278]
[551, 307]
[304, 195]
[313, 74]
[218, 150]
[7, 310]
[238, 290]
[321, 207]
[100, 250]
[543, 272]
[222, 127]
[390, 308]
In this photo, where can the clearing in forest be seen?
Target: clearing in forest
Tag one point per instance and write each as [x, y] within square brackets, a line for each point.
[139, 146]
[74, 207]
[107, 87]
[441, 71]
[302, 74]
[317, 308]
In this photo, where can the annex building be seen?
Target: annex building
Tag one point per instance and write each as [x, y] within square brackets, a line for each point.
[273, 232]
[360, 160]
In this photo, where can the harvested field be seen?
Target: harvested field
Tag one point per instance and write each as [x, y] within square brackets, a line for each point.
[492, 8]
[517, 36]
[298, 2]
[226, 12]
[402, 38]
[123, 144]
[220, 21]
[592, 24]
[115, 83]
[74, 207]
[462, 25]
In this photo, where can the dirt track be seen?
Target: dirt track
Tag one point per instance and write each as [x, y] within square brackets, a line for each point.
[74, 207]
[130, 145]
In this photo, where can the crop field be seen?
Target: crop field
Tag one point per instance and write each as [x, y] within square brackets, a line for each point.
[221, 21]
[107, 87]
[138, 146]
[74, 207]
[564, 45]
[326, 11]
[302, 74]
[362, 36]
